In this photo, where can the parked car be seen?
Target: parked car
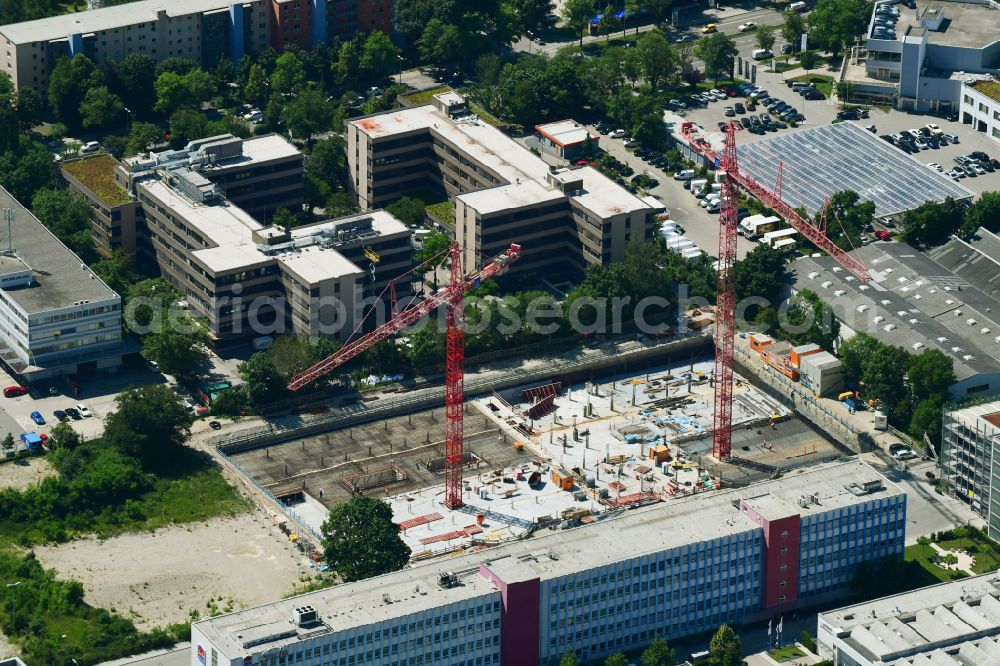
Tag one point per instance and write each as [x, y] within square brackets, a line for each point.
[882, 235]
[38, 418]
[955, 174]
[631, 143]
[73, 413]
[729, 111]
[254, 117]
[84, 410]
[953, 138]
[740, 108]
[617, 134]
[90, 147]
[14, 391]
[935, 166]
[59, 414]
[711, 27]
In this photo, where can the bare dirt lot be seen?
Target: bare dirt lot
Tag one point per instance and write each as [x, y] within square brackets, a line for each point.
[22, 473]
[156, 579]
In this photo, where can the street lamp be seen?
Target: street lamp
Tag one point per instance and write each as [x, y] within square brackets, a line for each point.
[128, 120]
[13, 606]
[400, 59]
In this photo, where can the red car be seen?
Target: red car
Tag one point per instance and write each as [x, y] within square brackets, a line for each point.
[14, 391]
[882, 235]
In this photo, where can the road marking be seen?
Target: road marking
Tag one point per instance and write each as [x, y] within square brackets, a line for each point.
[682, 211]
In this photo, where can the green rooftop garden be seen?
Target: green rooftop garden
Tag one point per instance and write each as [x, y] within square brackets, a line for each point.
[989, 88]
[97, 175]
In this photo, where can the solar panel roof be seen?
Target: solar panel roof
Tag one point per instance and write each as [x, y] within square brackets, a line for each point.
[821, 161]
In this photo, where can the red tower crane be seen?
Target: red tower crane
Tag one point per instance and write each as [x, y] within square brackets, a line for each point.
[725, 316]
[451, 297]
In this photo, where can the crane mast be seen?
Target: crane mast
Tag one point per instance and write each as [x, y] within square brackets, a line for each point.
[451, 297]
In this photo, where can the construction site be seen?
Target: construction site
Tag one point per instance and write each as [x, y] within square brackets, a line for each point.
[535, 458]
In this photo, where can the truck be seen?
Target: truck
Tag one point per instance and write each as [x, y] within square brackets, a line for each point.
[756, 226]
[699, 187]
[772, 238]
[33, 441]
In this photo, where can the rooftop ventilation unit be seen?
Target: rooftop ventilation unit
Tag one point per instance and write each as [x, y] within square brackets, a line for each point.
[304, 616]
[448, 579]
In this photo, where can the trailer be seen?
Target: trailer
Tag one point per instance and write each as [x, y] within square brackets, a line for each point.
[756, 226]
[772, 237]
[785, 245]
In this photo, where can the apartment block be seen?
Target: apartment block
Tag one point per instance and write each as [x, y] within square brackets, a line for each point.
[670, 570]
[57, 317]
[203, 30]
[970, 459]
[565, 219]
[980, 106]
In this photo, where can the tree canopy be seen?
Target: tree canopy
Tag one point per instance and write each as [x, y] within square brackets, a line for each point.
[360, 540]
[835, 24]
[150, 424]
[717, 52]
[933, 223]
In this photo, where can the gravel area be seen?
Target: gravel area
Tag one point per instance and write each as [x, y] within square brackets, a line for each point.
[22, 473]
[156, 579]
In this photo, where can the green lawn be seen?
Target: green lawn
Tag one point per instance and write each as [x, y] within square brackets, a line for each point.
[823, 83]
[985, 562]
[785, 653]
[923, 556]
[424, 96]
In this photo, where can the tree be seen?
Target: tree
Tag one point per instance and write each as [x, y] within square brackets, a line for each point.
[931, 373]
[137, 76]
[177, 352]
[187, 124]
[847, 216]
[659, 654]
[175, 65]
[427, 346]
[67, 215]
[263, 383]
[853, 353]
[141, 137]
[433, 250]
[810, 320]
[439, 43]
[632, 65]
[933, 223]
[115, 271]
[69, 82]
[385, 358]
[360, 540]
[717, 52]
[569, 659]
[175, 90]
[407, 210]
[488, 68]
[100, 108]
[834, 24]
[378, 56]
[926, 419]
[617, 659]
[761, 274]
[26, 168]
[308, 113]
[9, 135]
[766, 36]
[151, 424]
[985, 212]
[632, 8]
[7, 444]
[659, 63]
[346, 70]
[884, 374]
[531, 12]
[289, 73]
[30, 108]
[724, 644]
[577, 15]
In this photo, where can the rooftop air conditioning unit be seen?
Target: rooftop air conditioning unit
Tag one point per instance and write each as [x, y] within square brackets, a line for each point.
[304, 615]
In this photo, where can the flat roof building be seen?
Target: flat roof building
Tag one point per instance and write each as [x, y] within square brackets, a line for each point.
[202, 30]
[980, 105]
[567, 139]
[56, 316]
[917, 302]
[951, 624]
[921, 63]
[565, 219]
[669, 570]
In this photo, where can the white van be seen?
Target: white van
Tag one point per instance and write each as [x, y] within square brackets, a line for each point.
[686, 174]
[762, 54]
[699, 187]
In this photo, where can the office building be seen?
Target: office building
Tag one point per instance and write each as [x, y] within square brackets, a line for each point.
[981, 106]
[564, 219]
[202, 30]
[922, 63]
[260, 175]
[942, 299]
[951, 624]
[669, 570]
[969, 445]
[57, 317]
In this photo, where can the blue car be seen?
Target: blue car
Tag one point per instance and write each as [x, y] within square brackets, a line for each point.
[37, 418]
